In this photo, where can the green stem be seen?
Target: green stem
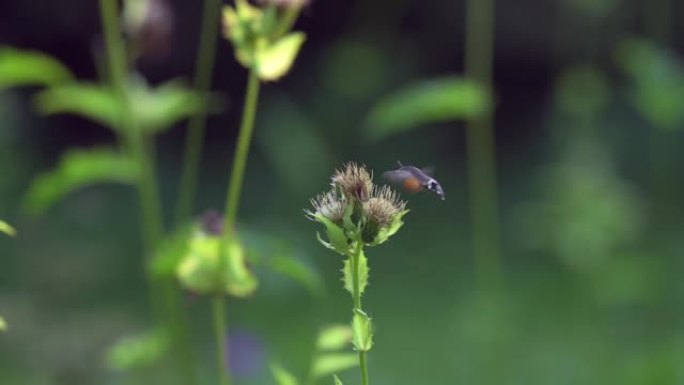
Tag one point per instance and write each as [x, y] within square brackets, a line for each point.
[221, 336]
[164, 296]
[356, 294]
[232, 201]
[241, 152]
[481, 146]
[195, 135]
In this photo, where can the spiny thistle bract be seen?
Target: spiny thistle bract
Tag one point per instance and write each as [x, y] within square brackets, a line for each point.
[357, 210]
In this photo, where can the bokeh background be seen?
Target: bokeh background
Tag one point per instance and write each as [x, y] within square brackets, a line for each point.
[589, 107]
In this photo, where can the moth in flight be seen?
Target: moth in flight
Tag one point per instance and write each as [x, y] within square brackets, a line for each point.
[414, 179]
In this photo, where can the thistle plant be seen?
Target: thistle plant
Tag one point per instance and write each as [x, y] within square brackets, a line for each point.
[356, 213]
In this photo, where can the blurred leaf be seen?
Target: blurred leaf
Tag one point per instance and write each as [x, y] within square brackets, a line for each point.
[169, 253]
[658, 82]
[329, 363]
[362, 331]
[77, 169]
[22, 67]
[93, 101]
[157, 109]
[137, 351]
[334, 337]
[200, 269]
[282, 376]
[275, 60]
[7, 229]
[298, 271]
[363, 274]
[337, 380]
[151, 109]
[3, 324]
[432, 101]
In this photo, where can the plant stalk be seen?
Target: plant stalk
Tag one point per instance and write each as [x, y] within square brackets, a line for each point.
[481, 146]
[221, 335]
[356, 294]
[196, 126]
[164, 297]
[232, 201]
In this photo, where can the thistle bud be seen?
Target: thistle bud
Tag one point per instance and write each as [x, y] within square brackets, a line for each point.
[354, 181]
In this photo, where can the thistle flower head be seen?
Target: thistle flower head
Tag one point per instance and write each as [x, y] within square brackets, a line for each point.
[383, 212]
[383, 206]
[330, 204]
[354, 181]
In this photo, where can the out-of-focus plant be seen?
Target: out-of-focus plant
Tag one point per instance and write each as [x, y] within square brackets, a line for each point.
[425, 102]
[326, 359]
[264, 44]
[357, 213]
[588, 216]
[7, 229]
[657, 82]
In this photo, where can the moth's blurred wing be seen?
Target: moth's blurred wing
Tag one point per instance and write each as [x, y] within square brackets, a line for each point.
[397, 176]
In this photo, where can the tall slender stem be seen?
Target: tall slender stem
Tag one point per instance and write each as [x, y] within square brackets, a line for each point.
[232, 201]
[195, 135]
[356, 294]
[481, 145]
[241, 152]
[164, 297]
[221, 335]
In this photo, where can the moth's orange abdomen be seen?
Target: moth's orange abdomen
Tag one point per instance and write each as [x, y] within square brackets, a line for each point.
[412, 185]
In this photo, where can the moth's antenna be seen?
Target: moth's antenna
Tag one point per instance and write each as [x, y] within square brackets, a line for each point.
[400, 165]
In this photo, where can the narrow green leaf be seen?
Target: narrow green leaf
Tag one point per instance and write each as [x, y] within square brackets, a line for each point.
[337, 380]
[24, 68]
[362, 328]
[137, 351]
[275, 60]
[77, 169]
[329, 363]
[282, 376]
[92, 101]
[3, 324]
[432, 101]
[363, 274]
[334, 337]
[338, 240]
[7, 229]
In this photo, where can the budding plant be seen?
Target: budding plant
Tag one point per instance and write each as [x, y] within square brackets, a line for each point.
[356, 213]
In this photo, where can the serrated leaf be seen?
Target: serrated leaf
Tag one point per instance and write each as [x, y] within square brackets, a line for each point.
[337, 380]
[3, 324]
[98, 103]
[425, 102]
[137, 351]
[334, 337]
[329, 363]
[7, 229]
[77, 169]
[23, 68]
[338, 240]
[282, 376]
[274, 60]
[362, 330]
[363, 274]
